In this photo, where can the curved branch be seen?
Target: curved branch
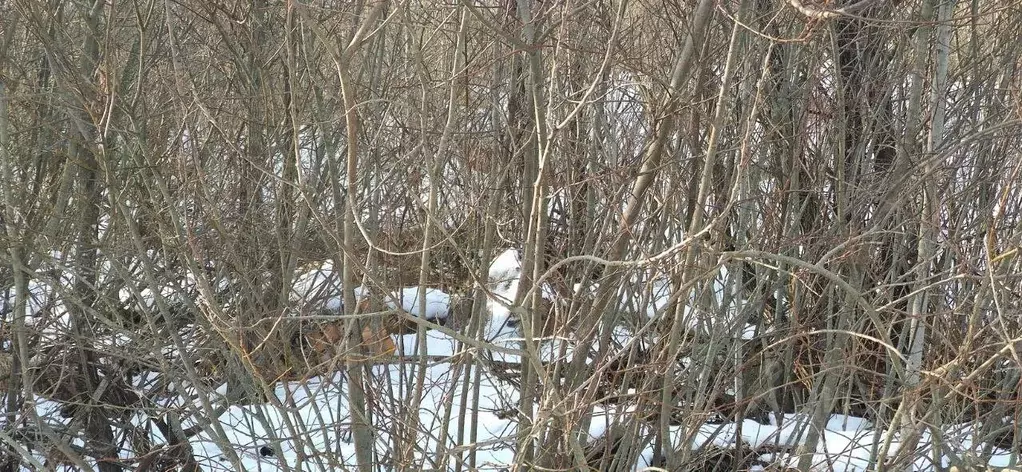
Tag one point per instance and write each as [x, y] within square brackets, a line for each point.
[829, 13]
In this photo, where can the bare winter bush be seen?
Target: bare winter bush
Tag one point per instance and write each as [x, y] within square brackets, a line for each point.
[724, 217]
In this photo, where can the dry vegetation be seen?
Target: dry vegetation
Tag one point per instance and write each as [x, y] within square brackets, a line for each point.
[844, 176]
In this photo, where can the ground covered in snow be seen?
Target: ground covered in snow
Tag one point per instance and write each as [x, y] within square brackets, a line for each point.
[458, 410]
[318, 410]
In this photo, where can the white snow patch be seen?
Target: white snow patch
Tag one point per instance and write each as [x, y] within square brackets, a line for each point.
[438, 302]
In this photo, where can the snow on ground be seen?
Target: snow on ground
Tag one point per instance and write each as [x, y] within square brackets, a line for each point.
[307, 426]
[846, 444]
[318, 410]
[319, 407]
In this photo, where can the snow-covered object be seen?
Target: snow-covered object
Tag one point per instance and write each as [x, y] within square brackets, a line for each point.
[438, 302]
[654, 301]
[505, 267]
[318, 286]
[45, 310]
[659, 296]
[505, 276]
[176, 293]
[437, 344]
[501, 326]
